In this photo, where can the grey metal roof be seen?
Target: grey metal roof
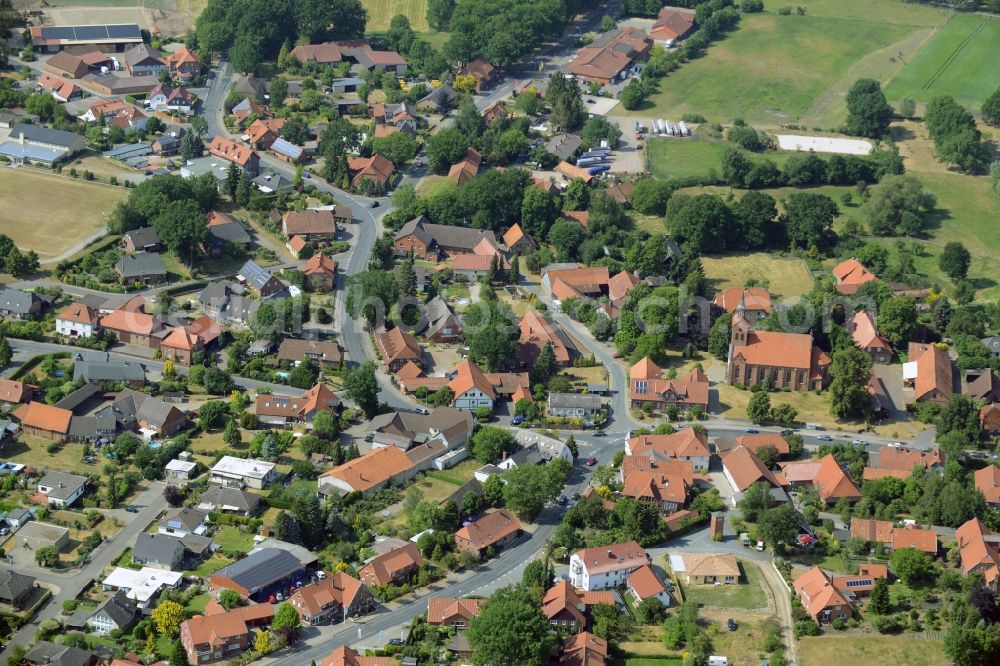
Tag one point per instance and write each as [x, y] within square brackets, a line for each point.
[79, 396]
[32, 152]
[141, 263]
[141, 53]
[45, 135]
[126, 150]
[157, 549]
[287, 148]
[261, 568]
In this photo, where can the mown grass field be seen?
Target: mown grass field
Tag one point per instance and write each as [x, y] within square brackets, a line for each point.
[676, 158]
[838, 650]
[786, 277]
[50, 214]
[773, 68]
[960, 60]
[380, 12]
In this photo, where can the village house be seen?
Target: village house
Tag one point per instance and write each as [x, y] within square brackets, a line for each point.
[755, 302]
[536, 332]
[929, 372]
[892, 537]
[850, 275]
[143, 239]
[821, 598]
[332, 599]
[397, 348]
[41, 420]
[989, 419]
[211, 638]
[485, 74]
[261, 283]
[481, 262]
[492, 531]
[566, 607]
[226, 499]
[648, 388]
[15, 588]
[320, 272]
[706, 568]
[573, 405]
[183, 343]
[518, 241]
[432, 242]
[979, 549]
[606, 567]
[19, 304]
[381, 61]
[40, 145]
[899, 461]
[145, 267]
[664, 485]
[243, 473]
[14, 393]
[439, 322]
[183, 63]
[561, 283]
[367, 474]
[324, 354]
[672, 24]
[742, 468]
[44, 653]
[231, 151]
[100, 367]
[687, 444]
[167, 98]
[452, 612]
[471, 388]
[466, 168]
[644, 583]
[584, 649]
[861, 328]
[370, 174]
[263, 132]
[788, 360]
[67, 65]
[280, 410]
[981, 384]
[224, 231]
[754, 442]
[439, 100]
[158, 551]
[180, 472]
[61, 489]
[327, 53]
[394, 566]
[144, 60]
[825, 475]
[60, 89]
[78, 321]
[313, 225]
[609, 57]
[345, 656]
[152, 417]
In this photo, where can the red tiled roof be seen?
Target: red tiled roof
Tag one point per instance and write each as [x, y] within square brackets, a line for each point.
[817, 592]
[645, 583]
[861, 328]
[12, 391]
[490, 529]
[755, 299]
[980, 549]
[851, 274]
[468, 375]
[934, 371]
[987, 482]
[746, 469]
[440, 609]
[684, 443]
[229, 150]
[345, 656]
[604, 559]
[79, 313]
[914, 537]
[372, 469]
[398, 344]
[380, 571]
[44, 417]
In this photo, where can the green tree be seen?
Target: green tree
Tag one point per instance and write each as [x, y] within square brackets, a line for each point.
[907, 107]
[6, 352]
[809, 219]
[230, 599]
[527, 488]
[576, 196]
[445, 148]
[539, 210]
[868, 113]
[784, 415]
[897, 319]
[759, 407]
[991, 108]
[878, 601]
[850, 371]
[493, 491]
[210, 413]
[439, 14]
[167, 617]
[563, 96]
[47, 556]
[912, 565]
[545, 364]
[490, 443]
[231, 435]
[756, 501]
[371, 294]
[719, 337]
[361, 386]
[650, 196]
[514, 275]
[898, 206]
[779, 525]
[511, 631]
[704, 223]
[955, 260]
[566, 236]
[286, 619]
[537, 574]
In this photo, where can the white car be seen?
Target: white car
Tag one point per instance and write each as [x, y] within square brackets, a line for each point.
[896, 445]
[862, 442]
[760, 546]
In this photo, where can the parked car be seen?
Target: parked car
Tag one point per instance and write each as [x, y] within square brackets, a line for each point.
[396, 641]
[896, 445]
[517, 420]
[576, 496]
[591, 461]
[731, 624]
[825, 438]
[760, 546]
[599, 433]
[563, 500]
[374, 204]
[862, 442]
[752, 431]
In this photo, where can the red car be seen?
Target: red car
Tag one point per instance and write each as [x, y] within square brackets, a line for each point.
[591, 461]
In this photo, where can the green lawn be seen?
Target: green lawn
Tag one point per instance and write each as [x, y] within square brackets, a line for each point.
[773, 68]
[748, 594]
[211, 565]
[230, 538]
[960, 60]
[198, 603]
[838, 650]
[676, 158]
[380, 13]
[785, 277]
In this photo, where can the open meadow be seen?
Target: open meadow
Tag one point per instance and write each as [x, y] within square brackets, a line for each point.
[51, 214]
[960, 60]
[677, 158]
[786, 277]
[838, 650]
[380, 12]
[773, 68]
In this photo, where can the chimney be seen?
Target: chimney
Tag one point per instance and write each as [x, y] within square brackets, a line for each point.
[21, 138]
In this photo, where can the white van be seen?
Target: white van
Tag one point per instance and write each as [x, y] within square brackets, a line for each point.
[813, 426]
[716, 660]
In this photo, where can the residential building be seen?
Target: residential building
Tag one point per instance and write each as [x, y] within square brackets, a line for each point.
[706, 568]
[370, 174]
[231, 151]
[158, 551]
[574, 405]
[260, 574]
[982, 384]
[142, 586]
[756, 302]
[518, 241]
[183, 521]
[331, 600]
[378, 61]
[395, 566]
[224, 232]
[178, 100]
[663, 484]
[584, 649]
[606, 567]
[44, 653]
[432, 242]
[313, 225]
[893, 537]
[116, 612]
[622, 193]
[367, 473]
[485, 74]
[992, 343]
[62, 489]
[979, 549]
[244, 473]
[496, 111]
[226, 499]
[850, 275]
[563, 282]
[41, 145]
[788, 360]
[184, 63]
[900, 461]
[536, 332]
[406, 430]
[439, 322]
[18, 304]
[34, 535]
[754, 442]
[183, 344]
[327, 53]
[284, 410]
[321, 353]
[608, 58]
[211, 638]
[466, 168]
[144, 60]
[480, 262]
[647, 387]
[861, 328]
[438, 100]
[672, 24]
[566, 607]
[989, 419]
[742, 468]
[41, 420]
[142, 412]
[14, 393]
[821, 598]
[78, 321]
[471, 388]
[67, 65]
[180, 472]
[687, 444]
[15, 588]
[132, 326]
[60, 89]
[345, 656]
[144, 267]
[493, 530]
[320, 272]
[929, 371]
[397, 348]
[452, 612]
[644, 584]
[259, 281]
[826, 475]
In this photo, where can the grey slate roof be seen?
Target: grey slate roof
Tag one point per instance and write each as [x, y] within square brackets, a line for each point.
[143, 237]
[564, 146]
[79, 396]
[574, 401]
[17, 301]
[99, 367]
[63, 485]
[52, 654]
[119, 608]
[157, 549]
[45, 135]
[130, 406]
[261, 568]
[441, 97]
[91, 427]
[220, 496]
[184, 518]
[14, 584]
[445, 235]
[140, 264]
[233, 232]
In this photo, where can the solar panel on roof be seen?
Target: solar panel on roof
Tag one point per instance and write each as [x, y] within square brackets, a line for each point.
[84, 32]
[865, 582]
[58, 33]
[124, 31]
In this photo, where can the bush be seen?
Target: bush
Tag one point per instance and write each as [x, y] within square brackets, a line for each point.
[807, 628]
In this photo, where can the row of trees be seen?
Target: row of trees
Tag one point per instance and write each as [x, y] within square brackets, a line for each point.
[956, 138]
[741, 170]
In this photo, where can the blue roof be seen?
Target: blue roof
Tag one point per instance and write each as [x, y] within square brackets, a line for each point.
[286, 148]
[15, 150]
